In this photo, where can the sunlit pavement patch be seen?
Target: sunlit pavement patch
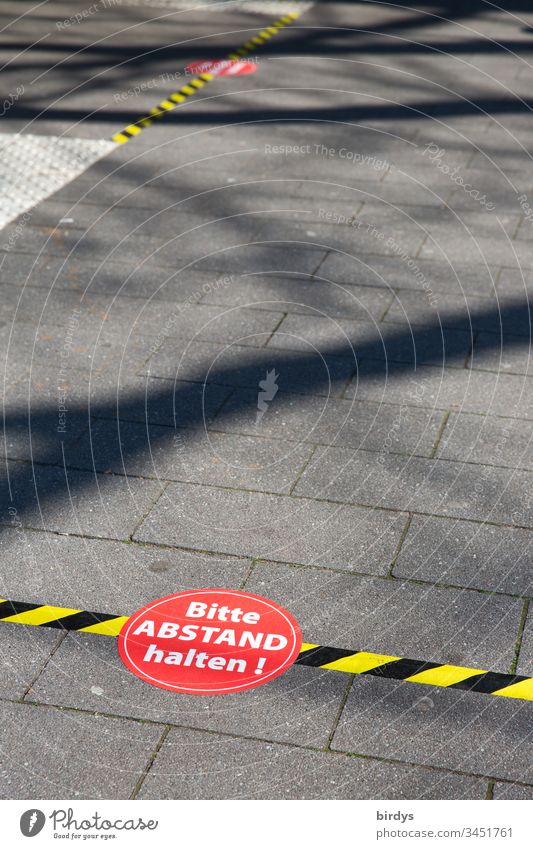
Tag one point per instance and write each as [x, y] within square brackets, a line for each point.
[34, 167]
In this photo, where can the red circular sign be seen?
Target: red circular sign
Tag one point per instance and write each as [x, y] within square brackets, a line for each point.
[222, 67]
[209, 642]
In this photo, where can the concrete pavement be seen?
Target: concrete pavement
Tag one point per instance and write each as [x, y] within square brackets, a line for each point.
[354, 216]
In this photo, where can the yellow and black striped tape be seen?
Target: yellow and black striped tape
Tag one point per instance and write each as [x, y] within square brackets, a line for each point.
[180, 96]
[417, 671]
[322, 657]
[67, 618]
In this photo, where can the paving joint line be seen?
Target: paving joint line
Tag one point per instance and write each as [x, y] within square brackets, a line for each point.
[340, 711]
[248, 574]
[399, 547]
[468, 360]
[304, 466]
[440, 433]
[297, 497]
[151, 761]
[336, 753]
[520, 637]
[149, 510]
[393, 293]
[276, 328]
[160, 546]
[61, 638]
[321, 263]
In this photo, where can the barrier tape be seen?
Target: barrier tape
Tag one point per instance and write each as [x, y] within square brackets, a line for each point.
[187, 91]
[311, 654]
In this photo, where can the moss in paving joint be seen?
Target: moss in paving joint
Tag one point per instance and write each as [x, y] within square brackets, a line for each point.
[401, 541]
[490, 791]
[151, 761]
[149, 510]
[338, 715]
[520, 637]
[442, 428]
[302, 470]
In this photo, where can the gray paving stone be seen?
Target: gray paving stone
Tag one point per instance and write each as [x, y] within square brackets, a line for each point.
[326, 227]
[238, 365]
[140, 280]
[274, 527]
[200, 323]
[195, 765]
[487, 439]
[510, 314]
[101, 575]
[441, 487]
[24, 653]
[502, 353]
[55, 754]
[294, 293]
[366, 340]
[80, 346]
[193, 456]
[449, 729]
[525, 658]
[376, 427]
[513, 791]
[175, 403]
[517, 282]
[516, 253]
[467, 554]
[379, 271]
[455, 626]
[258, 258]
[458, 390]
[76, 502]
[299, 707]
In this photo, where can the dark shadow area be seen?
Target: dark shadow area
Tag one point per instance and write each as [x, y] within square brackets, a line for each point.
[316, 34]
[184, 405]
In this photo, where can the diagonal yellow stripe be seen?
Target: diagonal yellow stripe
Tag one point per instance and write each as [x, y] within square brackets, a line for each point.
[111, 628]
[199, 81]
[520, 690]
[41, 615]
[178, 98]
[360, 662]
[445, 675]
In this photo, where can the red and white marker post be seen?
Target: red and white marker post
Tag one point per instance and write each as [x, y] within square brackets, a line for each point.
[209, 642]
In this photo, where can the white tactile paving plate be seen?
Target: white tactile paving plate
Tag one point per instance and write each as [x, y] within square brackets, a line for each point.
[256, 7]
[34, 167]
